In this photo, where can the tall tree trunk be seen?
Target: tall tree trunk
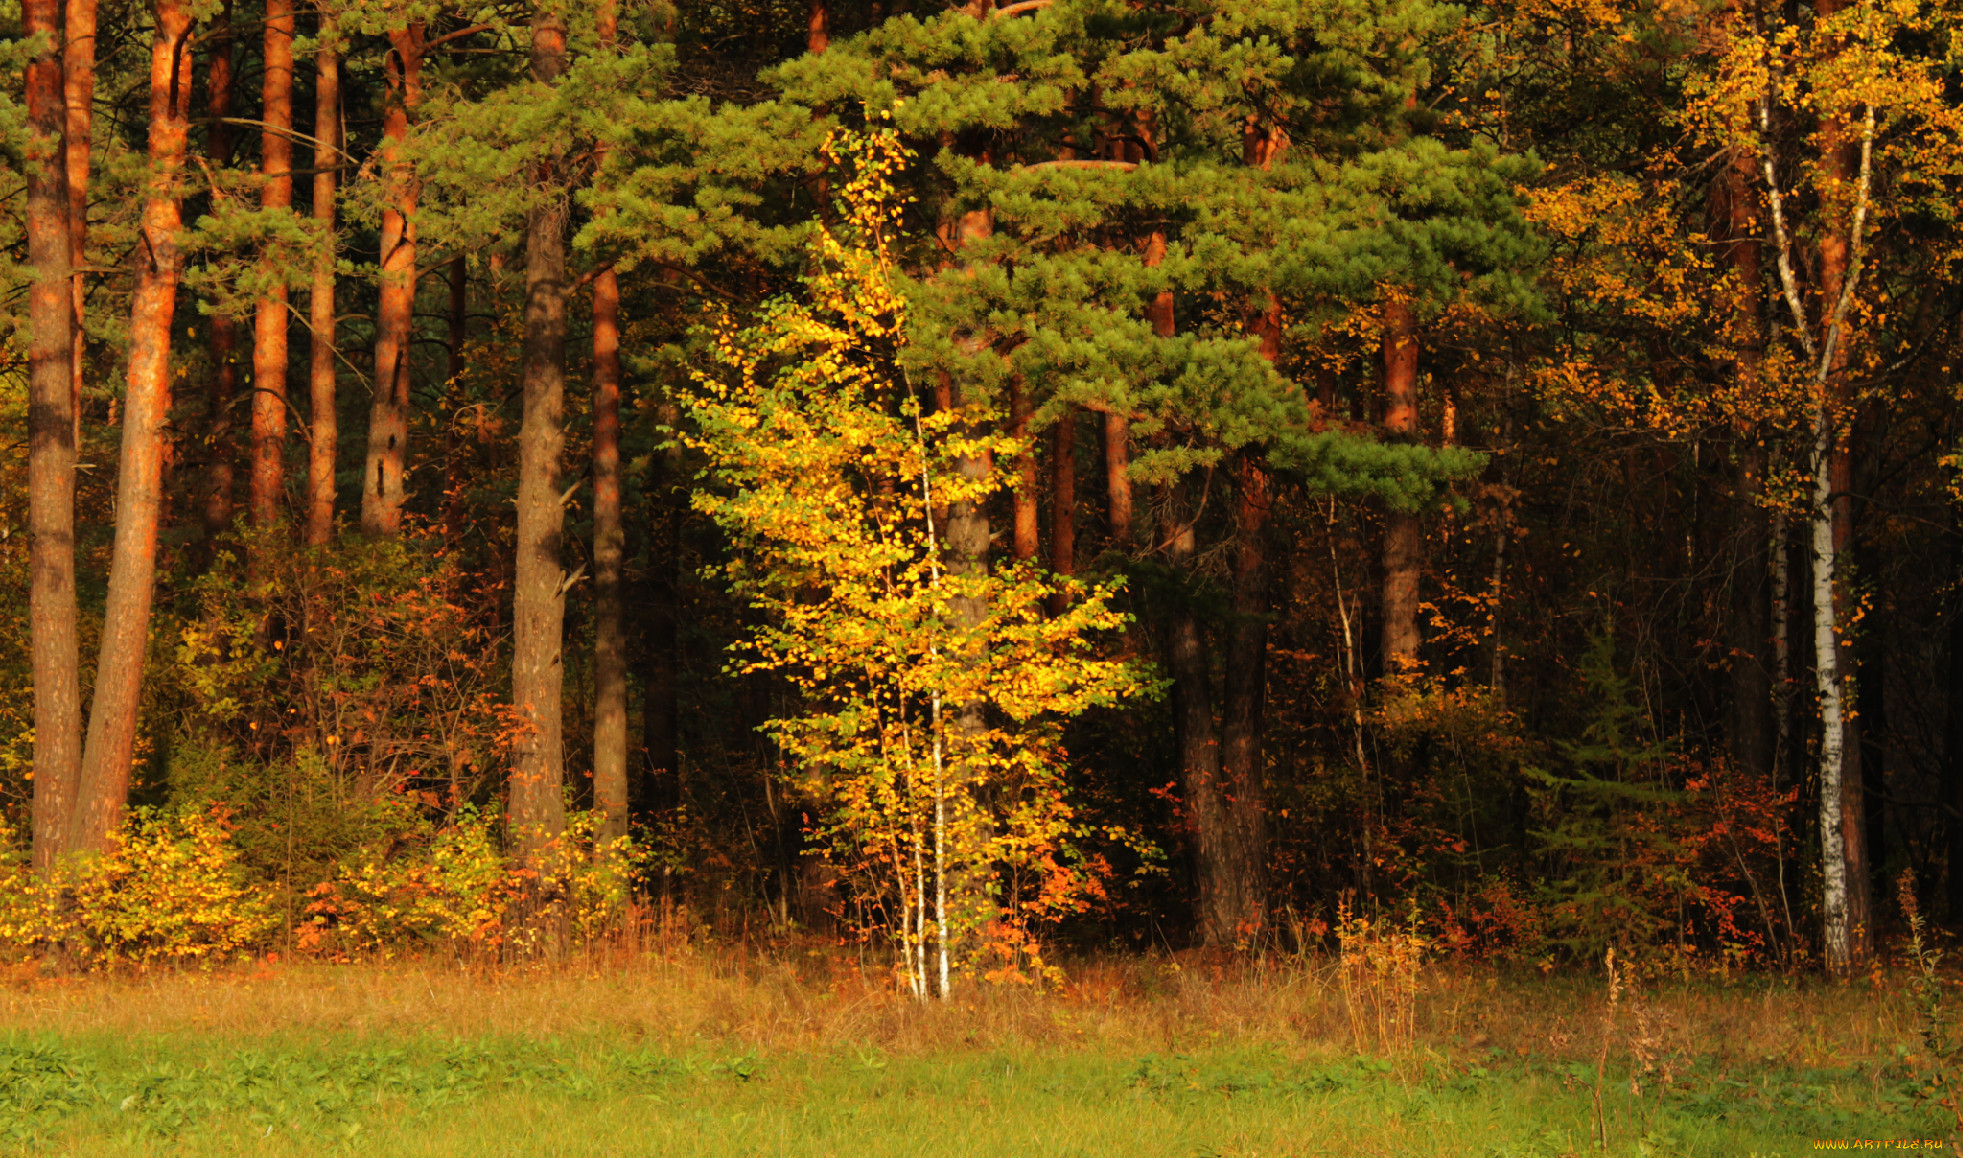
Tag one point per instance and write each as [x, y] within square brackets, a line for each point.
[1117, 479]
[1403, 536]
[1063, 503]
[78, 85]
[538, 600]
[1242, 889]
[1208, 813]
[221, 393]
[1023, 522]
[1751, 685]
[383, 489]
[104, 791]
[268, 484]
[609, 540]
[1847, 891]
[324, 445]
[818, 30]
[51, 448]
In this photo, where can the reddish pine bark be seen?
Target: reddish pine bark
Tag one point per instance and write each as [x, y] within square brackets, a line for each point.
[1403, 537]
[104, 790]
[818, 33]
[609, 541]
[50, 447]
[1117, 479]
[1023, 511]
[325, 442]
[383, 490]
[538, 602]
[78, 84]
[268, 479]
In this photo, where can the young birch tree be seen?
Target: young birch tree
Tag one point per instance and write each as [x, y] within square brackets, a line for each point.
[1876, 117]
[834, 475]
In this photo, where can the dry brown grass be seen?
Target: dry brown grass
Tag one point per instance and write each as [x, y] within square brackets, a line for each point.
[804, 998]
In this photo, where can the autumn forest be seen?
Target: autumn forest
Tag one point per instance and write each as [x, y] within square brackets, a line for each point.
[981, 484]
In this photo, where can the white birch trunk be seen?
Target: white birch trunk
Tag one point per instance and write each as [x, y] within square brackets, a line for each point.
[1837, 945]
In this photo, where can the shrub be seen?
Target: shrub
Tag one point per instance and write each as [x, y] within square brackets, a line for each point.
[168, 889]
[453, 886]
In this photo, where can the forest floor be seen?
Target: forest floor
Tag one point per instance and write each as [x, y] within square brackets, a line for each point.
[706, 1052]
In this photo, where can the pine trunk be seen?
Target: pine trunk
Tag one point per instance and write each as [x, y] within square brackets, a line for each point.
[609, 542]
[78, 84]
[51, 448]
[1243, 887]
[383, 489]
[818, 29]
[1217, 854]
[538, 596]
[104, 790]
[268, 481]
[324, 445]
[1117, 480]
[1403, 535]
[1023, 510]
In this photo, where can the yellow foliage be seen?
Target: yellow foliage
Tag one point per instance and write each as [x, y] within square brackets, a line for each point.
[457, 887]
[168, 889]
[930, 686]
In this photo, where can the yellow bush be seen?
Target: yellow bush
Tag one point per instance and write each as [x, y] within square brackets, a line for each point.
[168, 889]
[459, 887]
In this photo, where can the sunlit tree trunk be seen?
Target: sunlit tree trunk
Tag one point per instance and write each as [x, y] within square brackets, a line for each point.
[538, 603]
[818, 28]
[1117, 479]
[104, 791]
[609, 540]
[268, 482]
[323, 450]
[78, 84]
[1403, 534]
[383, 489]
[1025, 539]
[1063, 503]
[50, 446]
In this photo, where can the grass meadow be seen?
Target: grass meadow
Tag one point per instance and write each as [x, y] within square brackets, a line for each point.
[706, 1052]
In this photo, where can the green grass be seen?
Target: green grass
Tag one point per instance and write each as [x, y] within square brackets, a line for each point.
[601, 1093]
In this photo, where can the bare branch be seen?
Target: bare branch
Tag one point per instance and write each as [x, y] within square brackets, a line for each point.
[1837, 324]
